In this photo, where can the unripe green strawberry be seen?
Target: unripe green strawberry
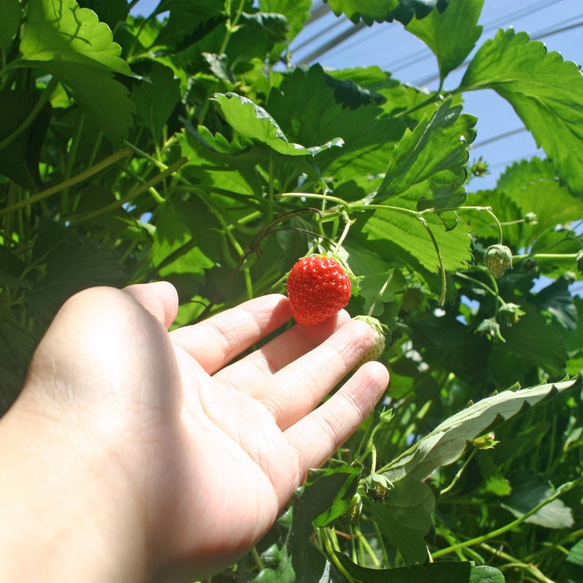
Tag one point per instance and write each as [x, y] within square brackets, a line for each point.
[498, 260]
[377, 487]
[351, 514]
[317, 287]
[379, 344]
[509, 314]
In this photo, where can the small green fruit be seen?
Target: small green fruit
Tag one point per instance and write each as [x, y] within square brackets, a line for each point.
[379, 343]
[498, 260]
[351, 515]
[509, 314]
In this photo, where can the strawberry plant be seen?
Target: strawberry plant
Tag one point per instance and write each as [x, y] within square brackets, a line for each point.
[186, 145]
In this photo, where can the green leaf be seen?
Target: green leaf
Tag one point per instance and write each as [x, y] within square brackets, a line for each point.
[531, 185]
[98, 94]
[379, 10]
[71, 44]
[326, 495]
[188, 21]
[405, 519]
[528, 490]
[59, 30]
[574, 562]
[374, 275]
[486, 574]
[156, 97]
[451, 34]
[418, 8]
[181, 228]
[535, 340]
[20, 160]
[436, 145]
[385, 10]
[545, 91]
[446, 572]
[503, 207]
[411, 235]
[307, 109]
[296, 12]
[446, 443]
[72, 262]
[557, 300]
[9, 24]
[253, 122]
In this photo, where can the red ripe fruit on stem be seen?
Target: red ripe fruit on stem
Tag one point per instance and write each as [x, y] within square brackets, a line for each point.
[317, 287]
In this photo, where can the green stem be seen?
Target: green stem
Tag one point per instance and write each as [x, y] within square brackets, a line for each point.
[67, 183]
[131, 195]
[503, 529]
[459, 473]
[381, 292]
[431, 99]
[568, 256]
[71, 158]
[257, 559]
[478, 283]
[488, 210]
[270, 192]
[442, 271]
[328, 545]
[515, 563]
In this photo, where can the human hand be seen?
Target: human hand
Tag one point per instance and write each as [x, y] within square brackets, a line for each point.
[172, 454]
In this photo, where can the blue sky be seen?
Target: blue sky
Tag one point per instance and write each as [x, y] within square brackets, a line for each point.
[393, 49]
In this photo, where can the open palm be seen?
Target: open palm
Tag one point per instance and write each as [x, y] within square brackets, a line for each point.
[212, 443]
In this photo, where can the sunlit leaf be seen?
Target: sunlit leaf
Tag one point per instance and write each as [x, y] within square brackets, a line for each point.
[253, 122]
[532, 186]
[411, 234]
[438, 144]
[71, 44]
[545, 91]
[435, 31]
[59, 30]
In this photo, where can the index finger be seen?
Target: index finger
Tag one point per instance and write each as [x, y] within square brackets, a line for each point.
[215, 342]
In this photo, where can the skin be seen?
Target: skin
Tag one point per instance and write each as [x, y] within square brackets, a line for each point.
[134, 454]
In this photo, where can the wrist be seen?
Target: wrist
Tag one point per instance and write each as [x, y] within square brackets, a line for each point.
[65, 516]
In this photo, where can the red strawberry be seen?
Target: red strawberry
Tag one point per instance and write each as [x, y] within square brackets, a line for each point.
[317, 287]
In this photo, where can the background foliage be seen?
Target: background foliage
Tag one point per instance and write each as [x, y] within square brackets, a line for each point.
[187, 146]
